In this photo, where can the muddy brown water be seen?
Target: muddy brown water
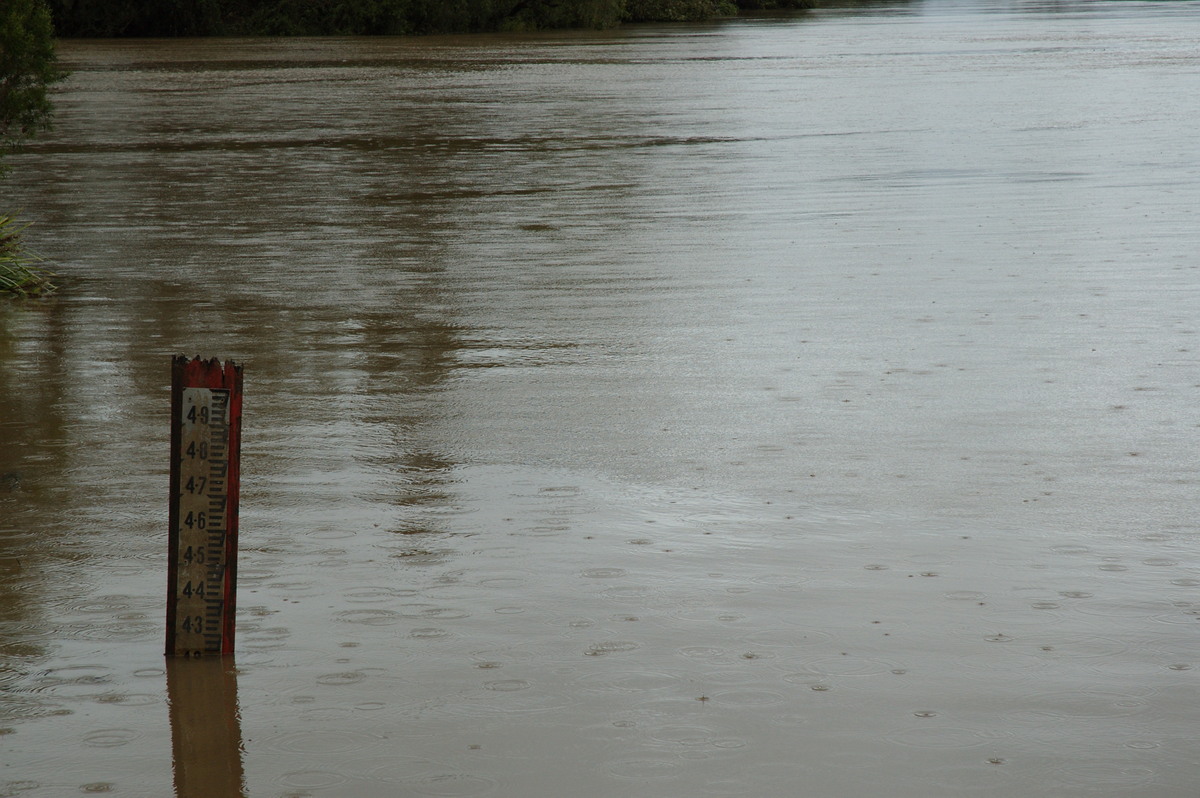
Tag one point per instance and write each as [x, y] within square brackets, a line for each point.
[774, 407]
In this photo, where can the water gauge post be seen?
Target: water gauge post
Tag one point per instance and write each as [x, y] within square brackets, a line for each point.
[206, 425]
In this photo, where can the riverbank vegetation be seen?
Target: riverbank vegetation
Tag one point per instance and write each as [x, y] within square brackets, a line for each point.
[28, 67]
[106, 18]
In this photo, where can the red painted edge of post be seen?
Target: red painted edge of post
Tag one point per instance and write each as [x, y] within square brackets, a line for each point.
[177, 364]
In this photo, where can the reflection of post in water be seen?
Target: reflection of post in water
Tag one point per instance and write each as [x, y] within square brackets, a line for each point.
[206, 733]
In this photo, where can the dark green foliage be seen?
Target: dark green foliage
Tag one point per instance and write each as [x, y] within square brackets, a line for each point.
[318, 17]
[772, 5]
[541, 14]
[328, 17]
[27, 68]
[677, 10]
[354, 17]
[103, 18]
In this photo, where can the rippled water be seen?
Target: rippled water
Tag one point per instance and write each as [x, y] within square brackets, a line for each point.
[773, 407]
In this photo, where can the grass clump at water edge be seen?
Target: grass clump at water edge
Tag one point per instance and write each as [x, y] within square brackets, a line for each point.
[20, 272]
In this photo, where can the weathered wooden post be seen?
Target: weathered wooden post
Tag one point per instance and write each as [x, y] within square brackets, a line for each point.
[206, 427]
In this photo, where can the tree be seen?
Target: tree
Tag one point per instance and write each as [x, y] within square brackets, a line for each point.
[27, 67]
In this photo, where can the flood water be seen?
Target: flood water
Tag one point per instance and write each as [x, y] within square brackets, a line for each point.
[784, 406]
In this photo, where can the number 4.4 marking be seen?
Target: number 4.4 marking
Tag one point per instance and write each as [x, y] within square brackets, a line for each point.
[194, 589]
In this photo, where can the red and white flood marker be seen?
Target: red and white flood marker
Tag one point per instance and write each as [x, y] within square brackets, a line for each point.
[206, 427]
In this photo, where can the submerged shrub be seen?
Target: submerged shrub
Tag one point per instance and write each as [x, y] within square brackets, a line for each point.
[20, 273]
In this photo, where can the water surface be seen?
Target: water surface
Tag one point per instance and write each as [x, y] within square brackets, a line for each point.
[781, 406]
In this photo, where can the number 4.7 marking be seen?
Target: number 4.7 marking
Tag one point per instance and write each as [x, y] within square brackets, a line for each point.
[196, 484]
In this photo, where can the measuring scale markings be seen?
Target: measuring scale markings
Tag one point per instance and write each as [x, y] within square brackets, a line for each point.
[201, 521]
